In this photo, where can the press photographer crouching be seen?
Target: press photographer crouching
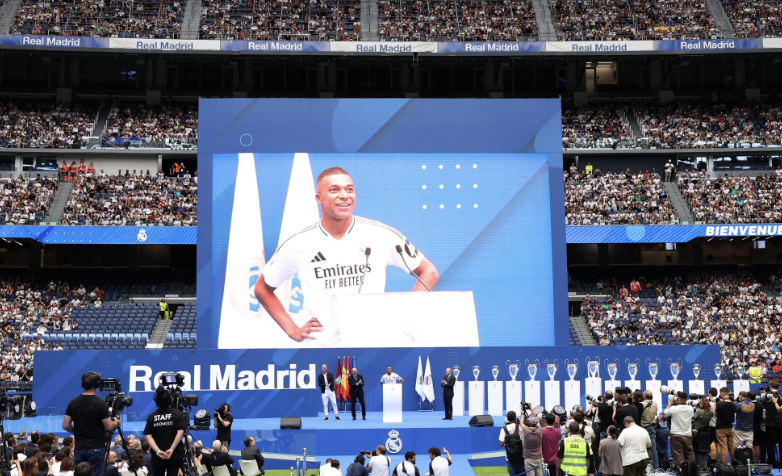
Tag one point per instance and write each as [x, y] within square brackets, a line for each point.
[164, 431]
[88, 418]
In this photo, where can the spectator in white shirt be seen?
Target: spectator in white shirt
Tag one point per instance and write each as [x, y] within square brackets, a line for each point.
[636, 448]
[380, 464]
[440, 466]
[407, 467]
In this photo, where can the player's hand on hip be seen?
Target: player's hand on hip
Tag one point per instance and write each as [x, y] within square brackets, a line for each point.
[305, 331]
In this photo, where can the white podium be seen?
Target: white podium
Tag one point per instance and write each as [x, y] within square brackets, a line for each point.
[594, 386]
[697, 386]
[495, 398]
[477, 398]
[654, 387]
[740, 385]
[392, 403]
[553, 394]
[458, 399]
[572, 394]
[718, 384]
[405, 319]
[678, 385]
[633, 384]
[513, 396]
[612, 384]
[532, 392]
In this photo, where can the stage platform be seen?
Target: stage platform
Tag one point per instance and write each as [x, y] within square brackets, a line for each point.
[343, 439]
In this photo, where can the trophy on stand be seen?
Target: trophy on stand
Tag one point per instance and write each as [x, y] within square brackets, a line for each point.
[632, 370]
[740, 384]
[740, 370]
[593, 384]
[456, 371]
[458, 392]
[476, 370]
[676, 367]
[593, 367]
[532, 369]
[612, 368]
[718, 381]
[654, 367]
[696, 386]
[654, 385]
[551, 369]
[495, 372]
[696, 370]
[717, 371]
[476, 400]
[572, 369]
[513, 369]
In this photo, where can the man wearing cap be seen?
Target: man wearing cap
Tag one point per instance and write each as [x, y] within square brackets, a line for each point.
[532, 437]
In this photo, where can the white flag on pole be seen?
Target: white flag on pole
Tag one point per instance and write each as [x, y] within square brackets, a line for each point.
[428, 384]
[419, 381]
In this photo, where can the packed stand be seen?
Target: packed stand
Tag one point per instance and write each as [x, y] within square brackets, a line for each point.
[135, 199]
[591, 20]
[755, 18]
[726, 309]
[703, 125]
[471, 20]
[622, 198]
[601, 127]
[313, 20]
[733, 198]
[115, 18]
[42, 124]
[25, 200]
[170, 125]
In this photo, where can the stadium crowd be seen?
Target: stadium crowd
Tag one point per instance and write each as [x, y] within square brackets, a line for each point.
[733, 198]
[721, 308]
[133, 199]
[115, 19]
[754, 18]
[616, 198]
[169, 125]
[42, 124]
[593, 126]
[590, 20]
[25, 200]
[313, 20]
[683, 125]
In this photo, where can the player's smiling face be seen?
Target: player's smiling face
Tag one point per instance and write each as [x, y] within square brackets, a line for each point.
[336, 196]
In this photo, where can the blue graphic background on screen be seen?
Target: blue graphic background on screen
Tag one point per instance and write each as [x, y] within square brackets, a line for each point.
[500, 250]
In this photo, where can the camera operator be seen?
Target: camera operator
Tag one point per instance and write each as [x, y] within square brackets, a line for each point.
[681, 428]
[88, 418]
[701, 434]
[649, 422]
[745, 413]
[759, 430]
[223, 422]
[605, 412]
[726, 414]
[773, 426]
[622, 410]
[164, 431]
[713, 397]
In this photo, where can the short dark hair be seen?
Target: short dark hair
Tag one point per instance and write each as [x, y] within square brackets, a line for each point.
[47, 448]
[612, 431]
[434, 451]
[335, 463]
[724, 390]
[60, 456]
[713, 391]
[578, 417]
[331, 171]
[248, 441]
[90, 380]
[162, 397]
[83, 469]
[144, 445]
[67, 441]
[774, 383]
[359, 459]
[609, 394]
[551, 418]
[67, 464]
[751, 395]
[681, 395]
[43, 465]
[409, 455]
[34, 437]
[622, 399]
[574, 427]
[511, 416]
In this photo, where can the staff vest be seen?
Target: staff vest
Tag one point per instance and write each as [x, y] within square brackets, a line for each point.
[574, 459]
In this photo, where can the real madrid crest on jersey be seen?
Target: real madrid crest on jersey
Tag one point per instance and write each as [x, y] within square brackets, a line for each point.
[393, 443]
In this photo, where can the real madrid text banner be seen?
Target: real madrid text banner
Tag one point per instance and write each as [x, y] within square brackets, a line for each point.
[666, 233]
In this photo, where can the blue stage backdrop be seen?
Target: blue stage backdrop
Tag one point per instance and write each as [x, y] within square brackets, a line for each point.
[473, 185]
[274, 383]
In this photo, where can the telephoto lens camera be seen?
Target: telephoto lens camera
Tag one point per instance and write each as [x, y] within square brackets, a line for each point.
[666, 390]
[598, 399]
[768, 396]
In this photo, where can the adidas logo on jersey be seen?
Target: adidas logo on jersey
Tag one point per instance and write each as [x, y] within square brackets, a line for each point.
[318, 257]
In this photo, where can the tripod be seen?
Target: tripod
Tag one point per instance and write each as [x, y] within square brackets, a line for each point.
[110, 437]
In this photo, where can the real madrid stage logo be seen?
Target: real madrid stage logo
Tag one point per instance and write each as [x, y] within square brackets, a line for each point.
[393, 443]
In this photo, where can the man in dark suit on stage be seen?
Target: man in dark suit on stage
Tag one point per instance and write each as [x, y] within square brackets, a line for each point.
[356, 383]
[447, 383]
[326, 382]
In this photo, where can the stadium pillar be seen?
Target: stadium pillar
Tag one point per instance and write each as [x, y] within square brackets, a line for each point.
[36, 255]
[602, 255]
[133, 258]
[739, 75]
[327, 78]
[655, 75]
[572, 73]
[697, 253]
[75, 73]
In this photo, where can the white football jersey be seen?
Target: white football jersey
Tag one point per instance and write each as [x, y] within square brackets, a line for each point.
[326, 266]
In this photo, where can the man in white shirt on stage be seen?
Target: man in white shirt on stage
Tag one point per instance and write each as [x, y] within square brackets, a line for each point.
[390, 377]
[340, 254]
[326, 383]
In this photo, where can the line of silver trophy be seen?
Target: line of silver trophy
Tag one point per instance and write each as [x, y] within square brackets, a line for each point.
[593, 368]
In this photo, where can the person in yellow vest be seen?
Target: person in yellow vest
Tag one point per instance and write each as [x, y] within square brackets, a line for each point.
[163, 309]
[588, 169]
[573, 453]
[755, 372]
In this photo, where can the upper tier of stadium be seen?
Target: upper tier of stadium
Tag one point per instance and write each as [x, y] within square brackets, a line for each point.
[406, 20]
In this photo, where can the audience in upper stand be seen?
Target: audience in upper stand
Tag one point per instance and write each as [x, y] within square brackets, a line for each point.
[621, 198]
[601, 127]
[755, 18]
[733, 198]
[681, 125]
[133, 199]
[299, 20]
[115, 19]
[24, 200]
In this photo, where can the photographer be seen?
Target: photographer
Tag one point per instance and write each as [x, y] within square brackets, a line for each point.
[726, 414]
[623, 409]
[164, 431]
[745, 413]
[701, 434]
[510, 439]
[223, 422]
[649, 422]
[773, 425]
[379, 464]
[681, 428]
[605, 412]
[88, 418]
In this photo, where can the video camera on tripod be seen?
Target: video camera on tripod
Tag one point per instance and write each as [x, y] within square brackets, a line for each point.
[172, 382]
[115, 397]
